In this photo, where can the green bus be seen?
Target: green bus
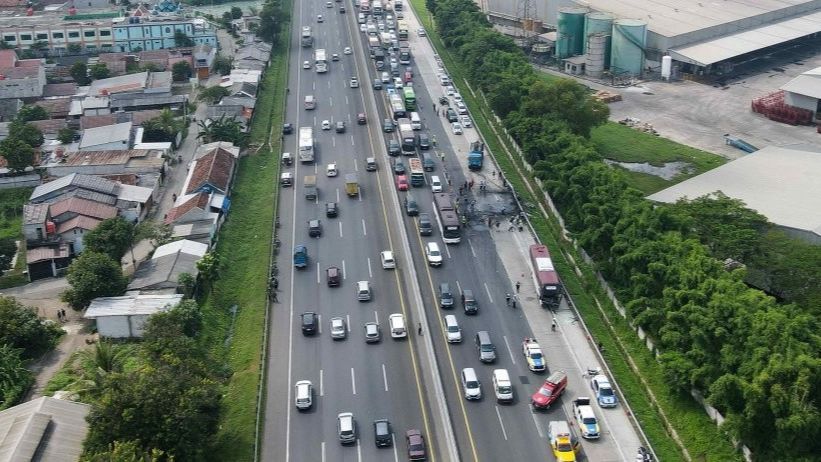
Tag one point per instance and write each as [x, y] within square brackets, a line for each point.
[410, 98]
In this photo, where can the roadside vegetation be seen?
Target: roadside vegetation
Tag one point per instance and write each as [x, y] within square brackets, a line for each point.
[753, 358]
[11, 230]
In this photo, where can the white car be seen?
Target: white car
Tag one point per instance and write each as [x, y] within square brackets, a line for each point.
[457, 97]
[319, 18]
[449, 90]
[452, 329]
[304, 394]
[354, 82]
[306, 64]
[326, 124]
[335, 57]
[456, 127]
[347, 50]
[465, 120]
[421, 32]
[331, 170]
[433, 254]
[388, 261]
[604, 391]
[461, 108]
[363, 28]
[338, 329]
[444, 80]
[329, 5]
[397, 82]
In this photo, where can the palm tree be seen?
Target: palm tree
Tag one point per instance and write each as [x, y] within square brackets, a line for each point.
[97, 364]
[13, 375]
[222, 129]
[164, 127]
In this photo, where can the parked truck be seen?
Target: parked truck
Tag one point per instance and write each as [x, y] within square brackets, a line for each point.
[306, 144]
[476, 156]
[586, 418]
[562, 442]
[351, 184]
[309, 184]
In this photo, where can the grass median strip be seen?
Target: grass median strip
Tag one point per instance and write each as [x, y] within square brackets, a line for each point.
[699, 435]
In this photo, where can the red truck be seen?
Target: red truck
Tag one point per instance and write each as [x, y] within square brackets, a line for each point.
[549, 392]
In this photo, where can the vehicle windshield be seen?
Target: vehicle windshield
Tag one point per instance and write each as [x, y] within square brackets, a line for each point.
[505, 390]
[564, 447]
[453, 329]
[434, 253]
[536, 355]
[472, 384]
[606, 391]
[545, 391]
[589, 421]
[487, 348]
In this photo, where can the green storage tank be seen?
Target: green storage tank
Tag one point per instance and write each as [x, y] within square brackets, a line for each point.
[570, 34]
[628, 43]
[598, 24]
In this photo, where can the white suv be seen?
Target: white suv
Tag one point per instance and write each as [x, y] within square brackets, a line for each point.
[388, 261]
[433, 254]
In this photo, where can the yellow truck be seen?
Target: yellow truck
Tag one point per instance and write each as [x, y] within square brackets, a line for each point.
[563, 444]
[351, 184]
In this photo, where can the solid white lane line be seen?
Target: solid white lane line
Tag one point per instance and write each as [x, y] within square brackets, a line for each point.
[447, 249]
[323, 451]
[353, 381]
[501, 424]
[536, 422]
[340, 229]
[472, 252]
[395, 454]
[370, 272]
[358, 451]
[504, 337]
[319, 321]
[376, 316]
[348, 322]
[385, 377]
[337, 194]
[364, 230]
[318, 280]
[344, 273]
[321, 384]
[489, 297]
[458, 287]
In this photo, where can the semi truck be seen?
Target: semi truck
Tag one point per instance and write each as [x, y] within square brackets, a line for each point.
[351, 185]
[417, 174]
[306, 144]
[476, 156]
[309, 185]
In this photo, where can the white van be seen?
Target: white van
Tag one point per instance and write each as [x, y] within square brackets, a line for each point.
[310, 102]
[304, 392]
[452, 330]
[470, 384]
[363, 291]
[388, 262]
[346, 428]
[435, 184]
[397, 323]
[416, 121]
[502, 386]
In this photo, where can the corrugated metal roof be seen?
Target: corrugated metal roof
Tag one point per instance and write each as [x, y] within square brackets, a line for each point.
[117, 133]
[45, 429]
[807, 84]
[134, 193]
[128, 305]
[89, 182]
[34, 214]
[780, 183]
[730, 46]
[83, 206]
[163, 272]
[184, 246]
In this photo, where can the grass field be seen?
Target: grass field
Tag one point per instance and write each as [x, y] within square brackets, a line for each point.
[624, 144]
[244, 249]
[699, 435]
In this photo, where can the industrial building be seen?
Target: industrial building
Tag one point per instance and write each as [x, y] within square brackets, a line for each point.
[779, 183]
[674, 38]
[804, 92]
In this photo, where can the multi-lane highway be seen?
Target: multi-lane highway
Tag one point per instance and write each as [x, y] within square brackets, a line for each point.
[415, 382]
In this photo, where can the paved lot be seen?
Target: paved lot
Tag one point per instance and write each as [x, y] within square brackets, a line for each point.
[699, 115]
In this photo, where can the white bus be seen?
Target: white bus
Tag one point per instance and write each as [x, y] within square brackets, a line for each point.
[321, 61]
[306, 144]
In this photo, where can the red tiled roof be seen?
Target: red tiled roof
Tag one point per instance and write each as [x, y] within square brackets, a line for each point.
[198, 201]
[213, 168]
[7, 57]
[79, 221]
[59, 89]
[46, 253]
[84, 207]
[94, 121]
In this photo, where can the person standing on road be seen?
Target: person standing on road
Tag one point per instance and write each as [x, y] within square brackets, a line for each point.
[507, 299]
[419, 330]
[434, 107]
[518, 284]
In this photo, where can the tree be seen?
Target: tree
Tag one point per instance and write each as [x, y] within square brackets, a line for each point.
[163, 128]
[93, 275]
[21, 328]
[15, 379]
[181, 71]
[223, 64]
[18, 154]
[182, 40]
[79, 72]
[270, 21]
[66, 135]
[127, 451]
[26, 133]
[31, 112]
[99, 71]
[8, 247]
[568, 101]
[222, 129]
[213, 95]
[236, 12]
[208, 267]
[112, 237]
[187, 283]
[74, 48]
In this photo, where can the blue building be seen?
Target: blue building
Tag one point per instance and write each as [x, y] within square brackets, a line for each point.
[137, 33]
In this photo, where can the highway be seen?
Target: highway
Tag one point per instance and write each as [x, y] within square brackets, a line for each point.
[387, 379]
[373, 381]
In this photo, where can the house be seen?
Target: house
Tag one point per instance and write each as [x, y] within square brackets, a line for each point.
[45, 429]
[59, 90]
[134, 202]
[204, 149]
[138, 102]
[9, 108]
[125, 316]
[37, 225]
[47, 261]
[89, 105]
[72, 207]
[204, 231]
[244, 89]
[73, 231]
[57, 108]
[161, 273]
[141, 82]
[22, 78]
[107, 138]
[136, 118]
[213, 172]
[204, 56]
[194, 207]
[251, 57]
[108, 162]
[88, 185]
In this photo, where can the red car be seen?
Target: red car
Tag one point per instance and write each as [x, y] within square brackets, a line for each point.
[402, 182]
[408, 77]
[416, 445]
[549, 392]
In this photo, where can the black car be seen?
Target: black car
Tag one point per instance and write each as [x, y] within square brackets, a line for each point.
[445, 295]
[310, 323]
[342, 9]
[287, 129]
[399, 167]
[388, 125]
[314, 228]
[340, 126]
[393, 148]
[425, 226]
[444, 101]
[452, 116]
[411, 207]
[469, 302]
[331, 210]
[424, 141]
[382, 432]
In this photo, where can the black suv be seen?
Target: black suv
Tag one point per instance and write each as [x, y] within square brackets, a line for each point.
[315, 228]
[452, 116]
[469, 302]
[287, 129]
[424, 141]
[310, 323]
[382, 432]
[331, 210]
[393, 148]
[425, 226]
[445, 295]
[411, 207]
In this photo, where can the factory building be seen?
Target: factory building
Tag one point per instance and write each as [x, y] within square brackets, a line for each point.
[697, 37]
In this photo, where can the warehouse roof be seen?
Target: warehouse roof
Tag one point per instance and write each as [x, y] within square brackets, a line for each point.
[107, 134]
[780, 183]
[129, 305]
[674, 17]
[807, 84]
[730, 46]
[45, 429]
[182, 246]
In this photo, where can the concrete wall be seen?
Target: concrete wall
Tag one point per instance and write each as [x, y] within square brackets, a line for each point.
[121, 326]
[804, 102]
[115, 146]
